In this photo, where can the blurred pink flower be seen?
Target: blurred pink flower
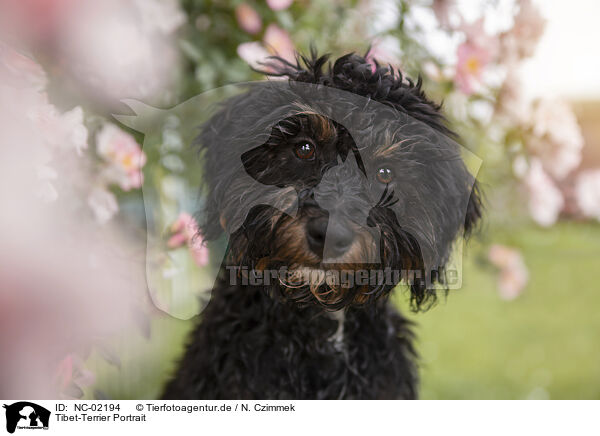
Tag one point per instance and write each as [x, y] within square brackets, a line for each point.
[511, 101]
[22, 83]
[248, 19]
[164, 16]
[34, 21]
[124, 155]
[103, 203]
[65, 131]
[474, 55]
[72, 376]
[513, 272]
[545, 199]
[587, 193]
[199, 251]
[41, 296]
[384, 50]
[253, 53]
[117, 49]
[472, 60]
[276, 42]
[557, 139]
[521, 40]
[279, 43]
[475, 34]
[18, 70]
[185, 231]
[279, 5]
[442, 10]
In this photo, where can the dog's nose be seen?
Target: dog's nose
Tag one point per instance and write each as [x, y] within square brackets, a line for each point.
[339, 236]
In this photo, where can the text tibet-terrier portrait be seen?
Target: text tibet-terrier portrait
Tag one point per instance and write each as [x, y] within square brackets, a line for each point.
[334, 186]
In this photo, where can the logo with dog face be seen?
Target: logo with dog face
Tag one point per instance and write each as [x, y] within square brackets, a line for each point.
[311, 180]
[26, 415]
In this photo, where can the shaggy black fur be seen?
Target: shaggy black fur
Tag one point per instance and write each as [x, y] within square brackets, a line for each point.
[251, 346]
[383, 181]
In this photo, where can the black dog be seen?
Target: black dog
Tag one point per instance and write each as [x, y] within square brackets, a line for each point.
[359, 174]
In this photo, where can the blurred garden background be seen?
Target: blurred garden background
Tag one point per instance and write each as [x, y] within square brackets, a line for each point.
[517, 78]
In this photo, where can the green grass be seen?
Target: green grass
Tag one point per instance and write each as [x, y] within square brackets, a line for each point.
[544, 344]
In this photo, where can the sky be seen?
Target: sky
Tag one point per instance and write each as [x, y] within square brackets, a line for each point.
[567, 61]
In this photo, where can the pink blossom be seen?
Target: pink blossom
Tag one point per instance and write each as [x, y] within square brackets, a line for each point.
[164, 16]
[472, 60]
[513, 272]
[442, 10]
[279, 43]
[476, 35]
[124, 155]
[279, 5]
[199, 251]
[473, 55]
[185, 231]
[545, 199]
[521, 40]
[384, 50]
[557, 140]
[587, 193]
[18, 70]
[276, 42]
[248, 19]
[34, 21]
[71, 376]
[511, 102]
[41, 298]
[116, 49]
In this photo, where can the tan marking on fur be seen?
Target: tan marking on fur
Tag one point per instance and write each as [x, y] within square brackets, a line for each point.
[385, 151]
[324, 125]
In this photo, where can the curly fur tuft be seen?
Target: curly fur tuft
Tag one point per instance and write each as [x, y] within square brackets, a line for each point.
[356, 74]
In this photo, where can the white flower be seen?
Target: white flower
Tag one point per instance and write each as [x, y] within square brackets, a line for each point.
[545, 199]
[103, 203]
[587, 193]
[253, 53]
[74, 131]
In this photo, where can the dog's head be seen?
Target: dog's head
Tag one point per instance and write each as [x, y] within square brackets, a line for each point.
[360, 182]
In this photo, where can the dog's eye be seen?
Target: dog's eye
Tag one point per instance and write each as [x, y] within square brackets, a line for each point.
[305, 150]
[385, 175]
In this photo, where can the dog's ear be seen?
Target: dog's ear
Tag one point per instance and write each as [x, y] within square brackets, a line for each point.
[474, 209]
[222, 142]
